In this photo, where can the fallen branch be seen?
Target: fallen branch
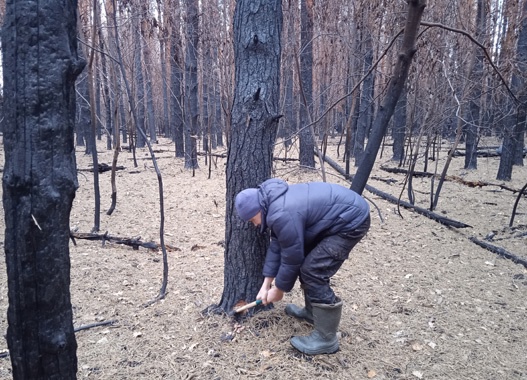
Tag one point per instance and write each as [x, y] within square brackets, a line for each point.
[522, 191]
[389, 181]
[285, 159]
[102, 168]
[96, 324]
[500, 251]
[405, 172]
[450, 178]
[481, 153]
[135, 243]
[224, 155]
[429, 214]
[218, 155]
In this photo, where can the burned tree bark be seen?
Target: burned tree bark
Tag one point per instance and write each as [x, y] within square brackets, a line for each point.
[40, 63]
[307, 142]
[517, 118]
[138, 78]
[176, 80]
[471, 128]
[257, 31]
[395, 88]
[191, 85]
[399, 128]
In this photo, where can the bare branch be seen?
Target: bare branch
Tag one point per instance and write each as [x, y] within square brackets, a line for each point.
[470, 37]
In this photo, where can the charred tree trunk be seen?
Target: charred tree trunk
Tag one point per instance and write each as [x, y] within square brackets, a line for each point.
[205, 124]
[163, 38]
[395, 87]
[515, 125]
[94, 123]
[97, 85]
[120, 99]
[307, 143]
[146, 32]
[191, 85]
[83, 121]
[473, 109]
[217, 126]
[40, 65]
[289, 124]
[140, 141]
[176, 79]
[366, 100]
[399, 128]
[105, 81]
[257, 31]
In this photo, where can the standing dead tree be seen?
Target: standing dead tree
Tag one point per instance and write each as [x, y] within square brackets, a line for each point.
[513, 214]
[91, 35]
[40, 65]
[162, 291]
[395, 88]
[514, 131]
[255, 119]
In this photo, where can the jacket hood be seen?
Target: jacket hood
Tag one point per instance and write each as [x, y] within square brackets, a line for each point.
[269, 191]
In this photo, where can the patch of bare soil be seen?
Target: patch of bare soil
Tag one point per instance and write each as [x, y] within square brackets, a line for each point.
[421, 300]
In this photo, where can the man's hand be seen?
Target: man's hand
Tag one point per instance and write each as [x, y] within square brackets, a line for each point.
[263, 294]
[274, 294]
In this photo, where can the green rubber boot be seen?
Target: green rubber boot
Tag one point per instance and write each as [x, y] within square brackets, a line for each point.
[303, 313]
[323, 339]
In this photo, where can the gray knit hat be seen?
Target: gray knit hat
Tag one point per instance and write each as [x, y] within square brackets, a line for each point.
[247, 203]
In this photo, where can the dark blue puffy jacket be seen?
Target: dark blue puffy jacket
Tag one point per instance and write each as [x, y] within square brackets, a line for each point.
[301, 215]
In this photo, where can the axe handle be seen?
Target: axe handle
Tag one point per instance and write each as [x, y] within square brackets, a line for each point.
[248, 306]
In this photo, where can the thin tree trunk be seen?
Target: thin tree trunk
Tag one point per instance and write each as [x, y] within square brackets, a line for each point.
[163, 38]
[307, 142]
[473, 109]
[139, 123]
[219, 127]
[399, 128]
[191, 85]
[83, 125]
[395, 88]
[98, 97]
[176, 71]
[117, 106]
[366, 100]
[105, 85]
[512, 148]
[147, 67]
[95, 159]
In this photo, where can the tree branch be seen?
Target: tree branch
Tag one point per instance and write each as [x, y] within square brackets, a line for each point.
[500, 251]
[470, 37]
[135, 243]
[96, 324]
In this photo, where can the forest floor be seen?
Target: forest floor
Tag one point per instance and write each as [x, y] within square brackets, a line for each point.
[421, 300]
